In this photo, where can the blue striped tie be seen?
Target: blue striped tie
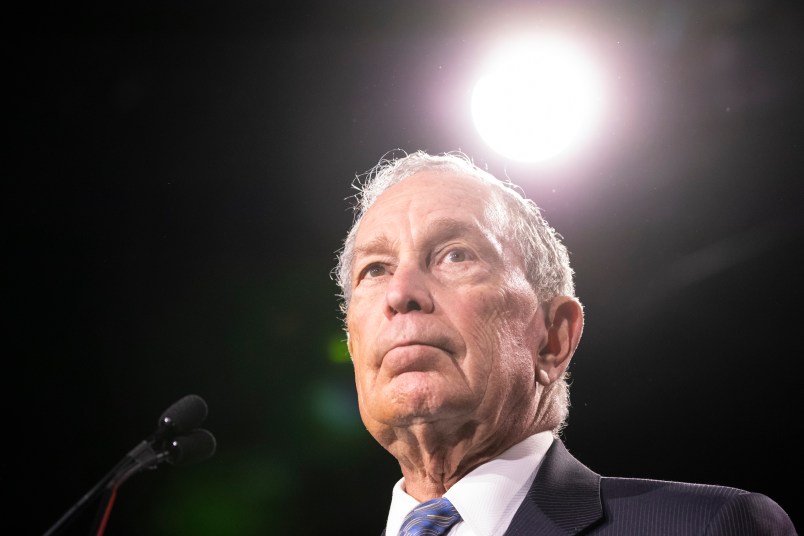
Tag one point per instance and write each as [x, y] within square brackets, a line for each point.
[431, 518]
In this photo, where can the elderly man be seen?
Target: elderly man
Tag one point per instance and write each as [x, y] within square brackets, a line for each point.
[462, 321]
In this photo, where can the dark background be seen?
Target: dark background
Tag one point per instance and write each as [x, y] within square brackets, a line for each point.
[178, 181]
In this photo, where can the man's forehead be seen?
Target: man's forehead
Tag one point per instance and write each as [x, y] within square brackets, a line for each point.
[432, 191]
[447, 196]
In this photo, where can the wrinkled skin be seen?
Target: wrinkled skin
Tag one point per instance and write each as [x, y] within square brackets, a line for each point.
[452, 349]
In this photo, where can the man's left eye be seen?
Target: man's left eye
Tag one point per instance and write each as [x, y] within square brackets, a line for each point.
[456, 255]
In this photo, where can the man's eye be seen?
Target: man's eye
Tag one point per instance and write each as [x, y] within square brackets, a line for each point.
[456, 255]
[375, 270]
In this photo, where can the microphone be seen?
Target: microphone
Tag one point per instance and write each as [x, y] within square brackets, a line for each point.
[177, 440]
[194, 447]
[186, 414]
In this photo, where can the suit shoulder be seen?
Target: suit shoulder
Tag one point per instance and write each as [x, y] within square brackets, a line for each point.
[722, 509]
[625, 487]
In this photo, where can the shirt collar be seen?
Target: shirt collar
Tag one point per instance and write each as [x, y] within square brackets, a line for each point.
[488, 497]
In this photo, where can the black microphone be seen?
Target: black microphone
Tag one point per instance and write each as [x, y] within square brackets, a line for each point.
[186, 414]
[194, 447]
[177, 440]
[198, 445]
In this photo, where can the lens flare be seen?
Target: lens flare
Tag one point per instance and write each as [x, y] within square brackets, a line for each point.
[538, 99]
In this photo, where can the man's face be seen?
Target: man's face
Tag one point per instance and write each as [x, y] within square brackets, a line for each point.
[443, 326]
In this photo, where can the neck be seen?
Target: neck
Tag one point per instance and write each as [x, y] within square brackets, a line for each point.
[434, 458]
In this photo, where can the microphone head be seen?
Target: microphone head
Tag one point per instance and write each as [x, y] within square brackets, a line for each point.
[194, 447]
[186, 414]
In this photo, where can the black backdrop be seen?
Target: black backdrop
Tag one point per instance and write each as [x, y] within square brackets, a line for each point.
[178, 176]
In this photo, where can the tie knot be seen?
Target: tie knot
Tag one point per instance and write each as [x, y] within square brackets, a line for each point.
[431, 518]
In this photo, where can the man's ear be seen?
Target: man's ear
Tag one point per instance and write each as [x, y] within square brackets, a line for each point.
[564, 322]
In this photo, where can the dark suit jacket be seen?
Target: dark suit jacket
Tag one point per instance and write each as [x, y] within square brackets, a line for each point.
[569, 498]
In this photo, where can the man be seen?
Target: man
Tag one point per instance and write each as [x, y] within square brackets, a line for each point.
[462, 321]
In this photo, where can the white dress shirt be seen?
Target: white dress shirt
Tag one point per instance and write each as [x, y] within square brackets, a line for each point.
[488, 497]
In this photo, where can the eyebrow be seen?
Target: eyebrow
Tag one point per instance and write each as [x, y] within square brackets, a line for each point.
[436, 231]
[445, 228]
[379, 244]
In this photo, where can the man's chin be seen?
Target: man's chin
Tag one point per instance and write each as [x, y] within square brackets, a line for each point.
[412, 411]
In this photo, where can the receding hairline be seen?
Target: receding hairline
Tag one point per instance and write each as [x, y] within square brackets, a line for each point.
[515, 215]
[490, 190]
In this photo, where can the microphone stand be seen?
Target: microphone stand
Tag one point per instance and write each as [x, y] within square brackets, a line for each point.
[166, 444]
[141, 457]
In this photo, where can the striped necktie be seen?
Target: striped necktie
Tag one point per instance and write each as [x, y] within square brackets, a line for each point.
[431, 518]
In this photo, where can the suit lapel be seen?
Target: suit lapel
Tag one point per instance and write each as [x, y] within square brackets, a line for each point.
[564, 498]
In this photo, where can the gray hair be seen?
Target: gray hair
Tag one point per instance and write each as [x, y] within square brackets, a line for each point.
[545, 257]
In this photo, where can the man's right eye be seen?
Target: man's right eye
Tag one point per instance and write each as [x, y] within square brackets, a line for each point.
[375, 270]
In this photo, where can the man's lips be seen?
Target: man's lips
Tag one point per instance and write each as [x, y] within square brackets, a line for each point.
[412, 356]
[438, 343]
[433, 344]
[407, 341]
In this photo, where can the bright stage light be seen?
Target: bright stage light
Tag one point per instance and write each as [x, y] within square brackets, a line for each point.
[539, 99]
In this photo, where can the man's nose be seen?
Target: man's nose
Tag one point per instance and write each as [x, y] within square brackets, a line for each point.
[407, 291]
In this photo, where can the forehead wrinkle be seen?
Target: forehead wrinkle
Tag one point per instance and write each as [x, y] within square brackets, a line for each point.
[446, 228]
[378, 245]
[436, 230]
